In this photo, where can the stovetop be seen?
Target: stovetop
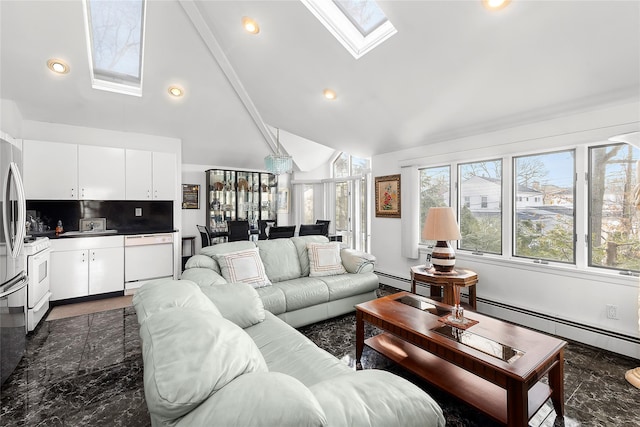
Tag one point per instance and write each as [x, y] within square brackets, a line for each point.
[33, 246]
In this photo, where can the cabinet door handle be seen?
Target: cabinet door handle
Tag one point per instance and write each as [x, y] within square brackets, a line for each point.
[93, 256]
[83, 256]
[82, 193]
[73, 192]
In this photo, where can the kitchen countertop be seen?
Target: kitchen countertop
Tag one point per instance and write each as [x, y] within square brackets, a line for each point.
[52, 234]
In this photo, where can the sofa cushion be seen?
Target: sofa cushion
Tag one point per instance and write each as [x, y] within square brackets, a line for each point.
[280, 259]
[346, 285]
[288, 351]
[373, 398]
[162, 294]
[225, 248]
[273, 299]
[243, 266]
[259, 399]
[237, 302]
[189, 355]
[300, 243]
[303, 292]
[324, 259]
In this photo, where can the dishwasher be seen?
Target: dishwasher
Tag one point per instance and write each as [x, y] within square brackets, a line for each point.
[147, 257]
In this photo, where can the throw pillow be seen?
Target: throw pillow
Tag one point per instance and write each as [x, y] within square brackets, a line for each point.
[324, 259]
[243, 266]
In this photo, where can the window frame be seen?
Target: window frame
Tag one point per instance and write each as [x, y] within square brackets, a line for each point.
[580, 265]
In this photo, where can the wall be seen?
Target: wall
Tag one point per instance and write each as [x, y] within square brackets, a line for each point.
[559, 300]
[10, 118]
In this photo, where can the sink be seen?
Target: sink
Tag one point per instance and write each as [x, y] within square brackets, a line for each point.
[89, 233]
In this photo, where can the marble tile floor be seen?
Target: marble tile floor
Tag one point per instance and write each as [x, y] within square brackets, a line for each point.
[87, 371]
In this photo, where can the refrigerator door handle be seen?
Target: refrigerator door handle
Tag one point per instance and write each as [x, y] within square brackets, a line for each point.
[18, 240]
[17, 283]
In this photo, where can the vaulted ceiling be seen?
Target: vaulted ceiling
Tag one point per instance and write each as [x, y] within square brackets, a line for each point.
[453, 69]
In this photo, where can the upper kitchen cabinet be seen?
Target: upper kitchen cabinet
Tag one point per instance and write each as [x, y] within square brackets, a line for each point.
[50, 170]
[150, 175]
[101, 173]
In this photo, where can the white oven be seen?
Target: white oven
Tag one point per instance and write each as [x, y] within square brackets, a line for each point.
[38, 254]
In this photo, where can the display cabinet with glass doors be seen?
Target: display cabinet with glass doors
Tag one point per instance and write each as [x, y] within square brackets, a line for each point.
[238, 196]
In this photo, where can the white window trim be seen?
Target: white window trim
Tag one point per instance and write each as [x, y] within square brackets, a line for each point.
[343, 29]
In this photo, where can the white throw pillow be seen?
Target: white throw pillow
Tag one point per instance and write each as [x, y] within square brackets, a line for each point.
[243, 266]
[324, 259]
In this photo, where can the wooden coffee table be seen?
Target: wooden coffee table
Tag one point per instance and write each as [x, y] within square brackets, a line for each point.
[493, 366]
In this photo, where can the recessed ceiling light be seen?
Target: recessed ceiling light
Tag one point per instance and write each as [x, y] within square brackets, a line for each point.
[176, 91]
[330, 94]
[58, 66]
[495, 4]
[250, 25]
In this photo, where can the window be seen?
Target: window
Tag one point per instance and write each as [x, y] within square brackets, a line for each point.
[435, 184]
[308, 216]
[359, 25]
[351, 200]
[614, 196]
[115, 38]
[481, 214]
[545, 229]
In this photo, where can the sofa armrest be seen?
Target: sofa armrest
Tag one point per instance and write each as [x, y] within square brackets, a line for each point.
[357, 261]
[259, 399]
[374, 398]
[203, 276]
[200, 261]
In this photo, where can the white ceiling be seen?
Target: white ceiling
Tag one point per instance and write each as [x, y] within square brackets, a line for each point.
[453, 69]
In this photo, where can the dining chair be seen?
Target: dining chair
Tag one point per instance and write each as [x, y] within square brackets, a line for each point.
[205, 236]
[238, 230]
[282, 232]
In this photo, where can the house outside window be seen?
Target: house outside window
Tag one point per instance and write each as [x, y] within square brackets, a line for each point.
[435, 184]
[614, 218]
[481, 214]
[544, 219]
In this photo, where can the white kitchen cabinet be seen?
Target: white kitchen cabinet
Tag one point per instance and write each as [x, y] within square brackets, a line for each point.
[106, 270]
[164, 176]
[150, 175]
[101, 173]
[139, 172]
[83, 266]
[50, 170]
[69, 274]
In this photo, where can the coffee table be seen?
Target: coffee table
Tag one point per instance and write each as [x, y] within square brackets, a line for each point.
[493, 366]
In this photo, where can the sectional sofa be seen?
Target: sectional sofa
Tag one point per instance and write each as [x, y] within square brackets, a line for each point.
[214, 356]
[301, 280]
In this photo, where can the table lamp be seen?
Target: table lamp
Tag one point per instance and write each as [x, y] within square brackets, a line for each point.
[441, 226]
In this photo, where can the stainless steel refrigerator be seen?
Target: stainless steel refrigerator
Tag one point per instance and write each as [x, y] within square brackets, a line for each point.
[13, 277]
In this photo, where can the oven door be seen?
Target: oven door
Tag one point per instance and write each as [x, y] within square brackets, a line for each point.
[38, 272]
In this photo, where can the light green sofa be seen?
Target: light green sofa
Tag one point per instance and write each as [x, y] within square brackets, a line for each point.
[214, 357]
[294, 296]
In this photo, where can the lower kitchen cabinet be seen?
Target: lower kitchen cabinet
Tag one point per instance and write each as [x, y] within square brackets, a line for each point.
[83, 266]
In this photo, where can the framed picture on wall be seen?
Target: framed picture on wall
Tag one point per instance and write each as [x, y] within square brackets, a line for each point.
[388, 196]
[190, 196]
[283, 201]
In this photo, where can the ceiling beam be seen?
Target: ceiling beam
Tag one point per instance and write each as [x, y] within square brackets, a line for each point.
[204, 30]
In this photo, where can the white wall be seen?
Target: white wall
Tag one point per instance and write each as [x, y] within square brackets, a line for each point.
[10, 118]
[563, 292]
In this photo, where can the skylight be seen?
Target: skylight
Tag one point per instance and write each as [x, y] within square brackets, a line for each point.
[365, 15]
[115, 39]
[359, 25]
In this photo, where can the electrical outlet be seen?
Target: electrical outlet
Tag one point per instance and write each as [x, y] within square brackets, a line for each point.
[612, 311]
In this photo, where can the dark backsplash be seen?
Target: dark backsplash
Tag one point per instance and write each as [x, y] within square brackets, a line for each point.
[120, 214]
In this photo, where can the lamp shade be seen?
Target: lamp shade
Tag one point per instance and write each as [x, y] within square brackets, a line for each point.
[441, 225]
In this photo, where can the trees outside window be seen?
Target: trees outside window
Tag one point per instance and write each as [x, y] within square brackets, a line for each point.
[614, 188]
[435, 184]
[481, 213]
[544, 192]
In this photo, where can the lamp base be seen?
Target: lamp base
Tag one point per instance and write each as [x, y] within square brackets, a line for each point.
[443, 257]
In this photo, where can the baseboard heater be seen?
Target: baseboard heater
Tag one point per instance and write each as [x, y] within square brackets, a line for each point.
[600, 331]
